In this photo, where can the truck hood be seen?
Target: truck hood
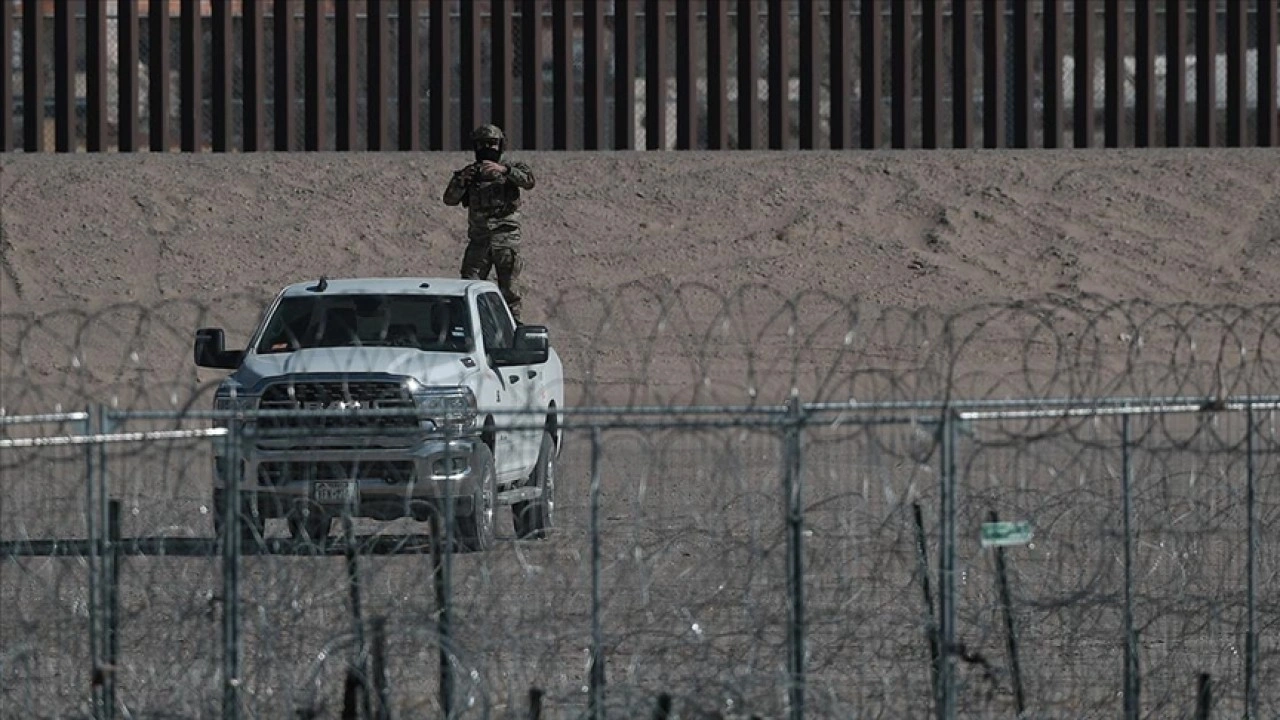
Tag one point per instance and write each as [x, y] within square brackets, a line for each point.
[429, 368]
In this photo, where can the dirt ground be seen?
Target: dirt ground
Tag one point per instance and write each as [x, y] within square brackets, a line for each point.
[679, 278]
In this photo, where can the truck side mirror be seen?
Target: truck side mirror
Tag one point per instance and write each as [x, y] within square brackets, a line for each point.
[210, 350]
[531, 347]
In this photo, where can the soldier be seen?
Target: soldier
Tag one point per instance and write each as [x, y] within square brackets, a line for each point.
[490, 190]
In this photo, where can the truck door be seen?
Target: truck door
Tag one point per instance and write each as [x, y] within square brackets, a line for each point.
[498, 331]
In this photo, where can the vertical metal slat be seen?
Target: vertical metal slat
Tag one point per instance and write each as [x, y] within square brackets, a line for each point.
[1023, 72]
[409, 74]
[531, 75]
[158, 78]
[748, 72]
[809, 111]
[283, 50]
[841, 46]
[1206, 72]
[624, 52]
[502, 77]
[192, 59]
[314, 85]
[254, 83]
[1054, 17]
[1176, 77]
[993, 73]
[33, 47]
[655, 74]
[376, 81]
[95, 26]
[64, 74]
[718, 74]
[562, 70]
[1144, 50]
[872, 50]
[1082, 125]
[1113, 111]
[469, 67]
[1268, 32]
[779, 75]
[1237, 44]
[344, 53]
[932, 54]
[223, 69]
[901, 37]
[7, 23]
[593, 73]
[962, 73]
[686, 78]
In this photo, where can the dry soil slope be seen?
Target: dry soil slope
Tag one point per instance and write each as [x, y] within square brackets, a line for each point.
[663, 274]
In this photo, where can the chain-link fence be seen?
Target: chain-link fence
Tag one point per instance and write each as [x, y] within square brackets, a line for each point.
[811, 559]
[1058, 507]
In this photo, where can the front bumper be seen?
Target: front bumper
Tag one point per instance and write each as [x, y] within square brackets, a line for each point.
[383, 483]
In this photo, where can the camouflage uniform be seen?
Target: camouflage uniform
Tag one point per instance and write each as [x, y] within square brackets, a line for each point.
[493, 216]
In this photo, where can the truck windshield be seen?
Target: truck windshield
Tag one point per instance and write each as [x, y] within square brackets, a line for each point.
[435, 323]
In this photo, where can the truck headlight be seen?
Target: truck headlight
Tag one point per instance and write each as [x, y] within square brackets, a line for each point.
[229, 401]
[453, 407]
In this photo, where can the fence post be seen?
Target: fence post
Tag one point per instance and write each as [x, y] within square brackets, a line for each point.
[231, 573]
[793, 486]
[105, 426]
[597, 636]
[930, 629]
[1130, 638]
[111, 611]
[535, 704]
[95, 554]
[1204, 697]
[946, 569]
[1251, 573]
[359, 668]
[379, 641]
[442, 567]
[1011, 636]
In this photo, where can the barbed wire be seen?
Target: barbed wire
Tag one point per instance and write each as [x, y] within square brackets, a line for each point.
[660, 343]
[692, 539]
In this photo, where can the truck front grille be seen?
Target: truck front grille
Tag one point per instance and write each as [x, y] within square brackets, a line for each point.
[335, 395]
[284, 472]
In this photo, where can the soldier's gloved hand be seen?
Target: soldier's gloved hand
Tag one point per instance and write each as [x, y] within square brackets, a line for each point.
[490, 170]
[466, 173]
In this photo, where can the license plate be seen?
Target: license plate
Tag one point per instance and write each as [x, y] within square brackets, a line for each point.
[340, 492]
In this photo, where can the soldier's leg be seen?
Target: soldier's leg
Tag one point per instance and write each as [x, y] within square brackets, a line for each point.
[509, 264]
[476, 261]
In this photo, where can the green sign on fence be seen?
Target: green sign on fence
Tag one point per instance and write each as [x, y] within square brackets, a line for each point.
[1005, 533]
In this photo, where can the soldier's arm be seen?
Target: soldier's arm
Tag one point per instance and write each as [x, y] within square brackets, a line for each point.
[520, 175]
[456, 190]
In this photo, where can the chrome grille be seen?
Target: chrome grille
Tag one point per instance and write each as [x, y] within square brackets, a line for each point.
[333, 395]
[284, 472]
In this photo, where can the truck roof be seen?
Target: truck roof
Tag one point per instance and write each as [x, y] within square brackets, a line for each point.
[383, 286]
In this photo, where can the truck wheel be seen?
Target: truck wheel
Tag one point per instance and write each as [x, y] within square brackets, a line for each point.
[475, 532]
[534, 518]
[252, 528]
[309, 524]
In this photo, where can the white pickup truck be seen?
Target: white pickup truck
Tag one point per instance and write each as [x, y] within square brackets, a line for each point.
[479, 401]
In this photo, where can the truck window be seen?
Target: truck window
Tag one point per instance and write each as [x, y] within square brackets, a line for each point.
[495, 323]
[426, 322]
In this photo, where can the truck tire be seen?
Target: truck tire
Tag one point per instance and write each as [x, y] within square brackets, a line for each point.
[475, 532]
[252, 528]
[310, 524]
[534, 518]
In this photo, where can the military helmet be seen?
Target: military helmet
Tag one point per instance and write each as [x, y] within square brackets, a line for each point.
[488, 132]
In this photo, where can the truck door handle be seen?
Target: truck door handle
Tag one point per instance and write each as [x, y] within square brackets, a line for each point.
[532, 374]
[514, 379]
